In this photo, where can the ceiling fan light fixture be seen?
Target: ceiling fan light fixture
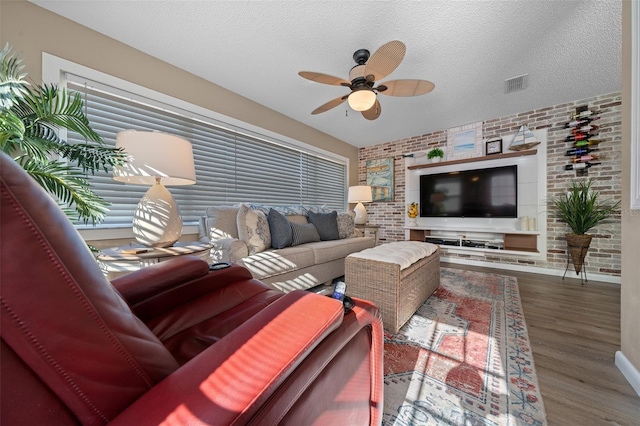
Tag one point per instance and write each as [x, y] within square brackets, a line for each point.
[362, 100]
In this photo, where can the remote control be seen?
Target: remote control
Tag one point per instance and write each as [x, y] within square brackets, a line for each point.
[339, 290]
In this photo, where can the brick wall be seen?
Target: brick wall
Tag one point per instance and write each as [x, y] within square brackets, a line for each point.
[604, 253]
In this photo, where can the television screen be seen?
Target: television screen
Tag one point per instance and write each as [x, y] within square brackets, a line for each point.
[485, 193]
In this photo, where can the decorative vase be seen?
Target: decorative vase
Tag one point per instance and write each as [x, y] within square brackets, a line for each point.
[578, 246]
[412, 212]
[436, 159]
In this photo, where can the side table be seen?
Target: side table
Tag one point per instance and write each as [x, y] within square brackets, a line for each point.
[117, 260]
[374, 229]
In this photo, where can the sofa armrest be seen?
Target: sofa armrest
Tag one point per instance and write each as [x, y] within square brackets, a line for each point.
[229, 382]
[229, 250]
[155, 290]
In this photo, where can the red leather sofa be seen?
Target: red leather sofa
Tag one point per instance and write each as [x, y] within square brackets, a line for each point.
[174, 343]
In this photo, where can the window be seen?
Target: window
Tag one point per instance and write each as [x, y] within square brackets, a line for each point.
[233, 164]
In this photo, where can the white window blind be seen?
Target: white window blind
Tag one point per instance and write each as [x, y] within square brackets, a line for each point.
[232, 165]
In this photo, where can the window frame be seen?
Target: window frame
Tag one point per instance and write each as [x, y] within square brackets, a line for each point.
[55, 70]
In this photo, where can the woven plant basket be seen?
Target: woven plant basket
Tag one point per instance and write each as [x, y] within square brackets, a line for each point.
[578, 246]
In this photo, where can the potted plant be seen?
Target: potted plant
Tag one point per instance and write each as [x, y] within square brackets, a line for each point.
[435, 155]
[581, 209]
[31, 117]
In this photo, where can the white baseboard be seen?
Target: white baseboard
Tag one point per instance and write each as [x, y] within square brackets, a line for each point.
[533, 269]
[629, 371]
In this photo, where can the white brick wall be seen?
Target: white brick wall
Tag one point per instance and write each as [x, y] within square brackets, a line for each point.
[604, 254]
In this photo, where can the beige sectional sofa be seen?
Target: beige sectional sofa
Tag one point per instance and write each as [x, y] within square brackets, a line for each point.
[242, 234]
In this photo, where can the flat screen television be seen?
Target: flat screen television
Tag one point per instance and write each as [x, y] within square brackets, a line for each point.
[487, 193]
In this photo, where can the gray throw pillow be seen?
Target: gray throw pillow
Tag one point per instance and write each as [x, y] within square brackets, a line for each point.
[303, 233]
[281, 233]
[326, 224]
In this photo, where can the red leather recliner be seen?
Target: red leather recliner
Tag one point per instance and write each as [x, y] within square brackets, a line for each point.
[173, 343]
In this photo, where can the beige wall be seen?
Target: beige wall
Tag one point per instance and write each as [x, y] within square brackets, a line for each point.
[630, 298]
[31, 30]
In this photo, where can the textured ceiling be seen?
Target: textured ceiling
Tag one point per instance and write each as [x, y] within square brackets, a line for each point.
[570, 49]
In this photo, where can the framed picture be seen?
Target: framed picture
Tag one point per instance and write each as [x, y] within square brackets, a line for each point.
[464, 141]
[494, 146]
[380, 178]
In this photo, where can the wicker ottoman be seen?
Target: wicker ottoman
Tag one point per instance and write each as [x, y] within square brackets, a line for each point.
[398, 277]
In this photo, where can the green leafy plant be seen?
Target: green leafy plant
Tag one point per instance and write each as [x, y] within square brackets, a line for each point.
[580, 207]
[435, 152]
[31, 118]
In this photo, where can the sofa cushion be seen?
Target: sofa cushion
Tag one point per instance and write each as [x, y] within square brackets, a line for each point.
[253, 229]
[221, 222]
[280, 228]
[346, 225]
[326, 224]
[303, 233]
[326, 251]
[275, 262]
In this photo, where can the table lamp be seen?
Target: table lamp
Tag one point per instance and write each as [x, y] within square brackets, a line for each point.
[156, 159]
[360, 194]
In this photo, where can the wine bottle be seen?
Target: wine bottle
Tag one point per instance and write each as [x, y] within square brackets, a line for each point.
[579, 137]
[586, 114]
[584, 129]
[584, 158]
[581, 121]
[577, 123]
[578, 166]
[580, 151]
[587, 142]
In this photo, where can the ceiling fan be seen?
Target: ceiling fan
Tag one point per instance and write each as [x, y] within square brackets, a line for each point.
[363, 77]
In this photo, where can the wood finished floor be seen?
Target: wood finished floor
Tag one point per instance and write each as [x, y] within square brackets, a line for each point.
[574, 331]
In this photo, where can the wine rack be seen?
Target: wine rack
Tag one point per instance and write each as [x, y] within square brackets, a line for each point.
[584, 135]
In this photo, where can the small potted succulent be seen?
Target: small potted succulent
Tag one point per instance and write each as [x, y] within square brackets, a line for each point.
[435, 155]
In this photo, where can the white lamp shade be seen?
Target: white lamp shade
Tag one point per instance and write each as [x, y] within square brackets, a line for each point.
[155, 154]
[362, 100]
[360, 194]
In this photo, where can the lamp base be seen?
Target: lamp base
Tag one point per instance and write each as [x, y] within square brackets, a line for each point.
[361, 214]
[157, 221]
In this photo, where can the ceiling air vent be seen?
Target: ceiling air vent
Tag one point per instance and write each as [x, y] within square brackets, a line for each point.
[516, 83]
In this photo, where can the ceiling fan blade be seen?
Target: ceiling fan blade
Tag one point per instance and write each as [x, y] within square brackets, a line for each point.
[323, 78]
[406, 87]
[373, 112]
[385, 59]
[331, 104]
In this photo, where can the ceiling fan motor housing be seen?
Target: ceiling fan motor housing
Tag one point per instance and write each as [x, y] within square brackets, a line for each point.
[356, 73]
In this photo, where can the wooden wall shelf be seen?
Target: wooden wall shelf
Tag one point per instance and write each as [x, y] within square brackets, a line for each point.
[475, 159]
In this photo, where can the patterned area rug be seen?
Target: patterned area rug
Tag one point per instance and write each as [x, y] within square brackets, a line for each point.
[464, 358]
